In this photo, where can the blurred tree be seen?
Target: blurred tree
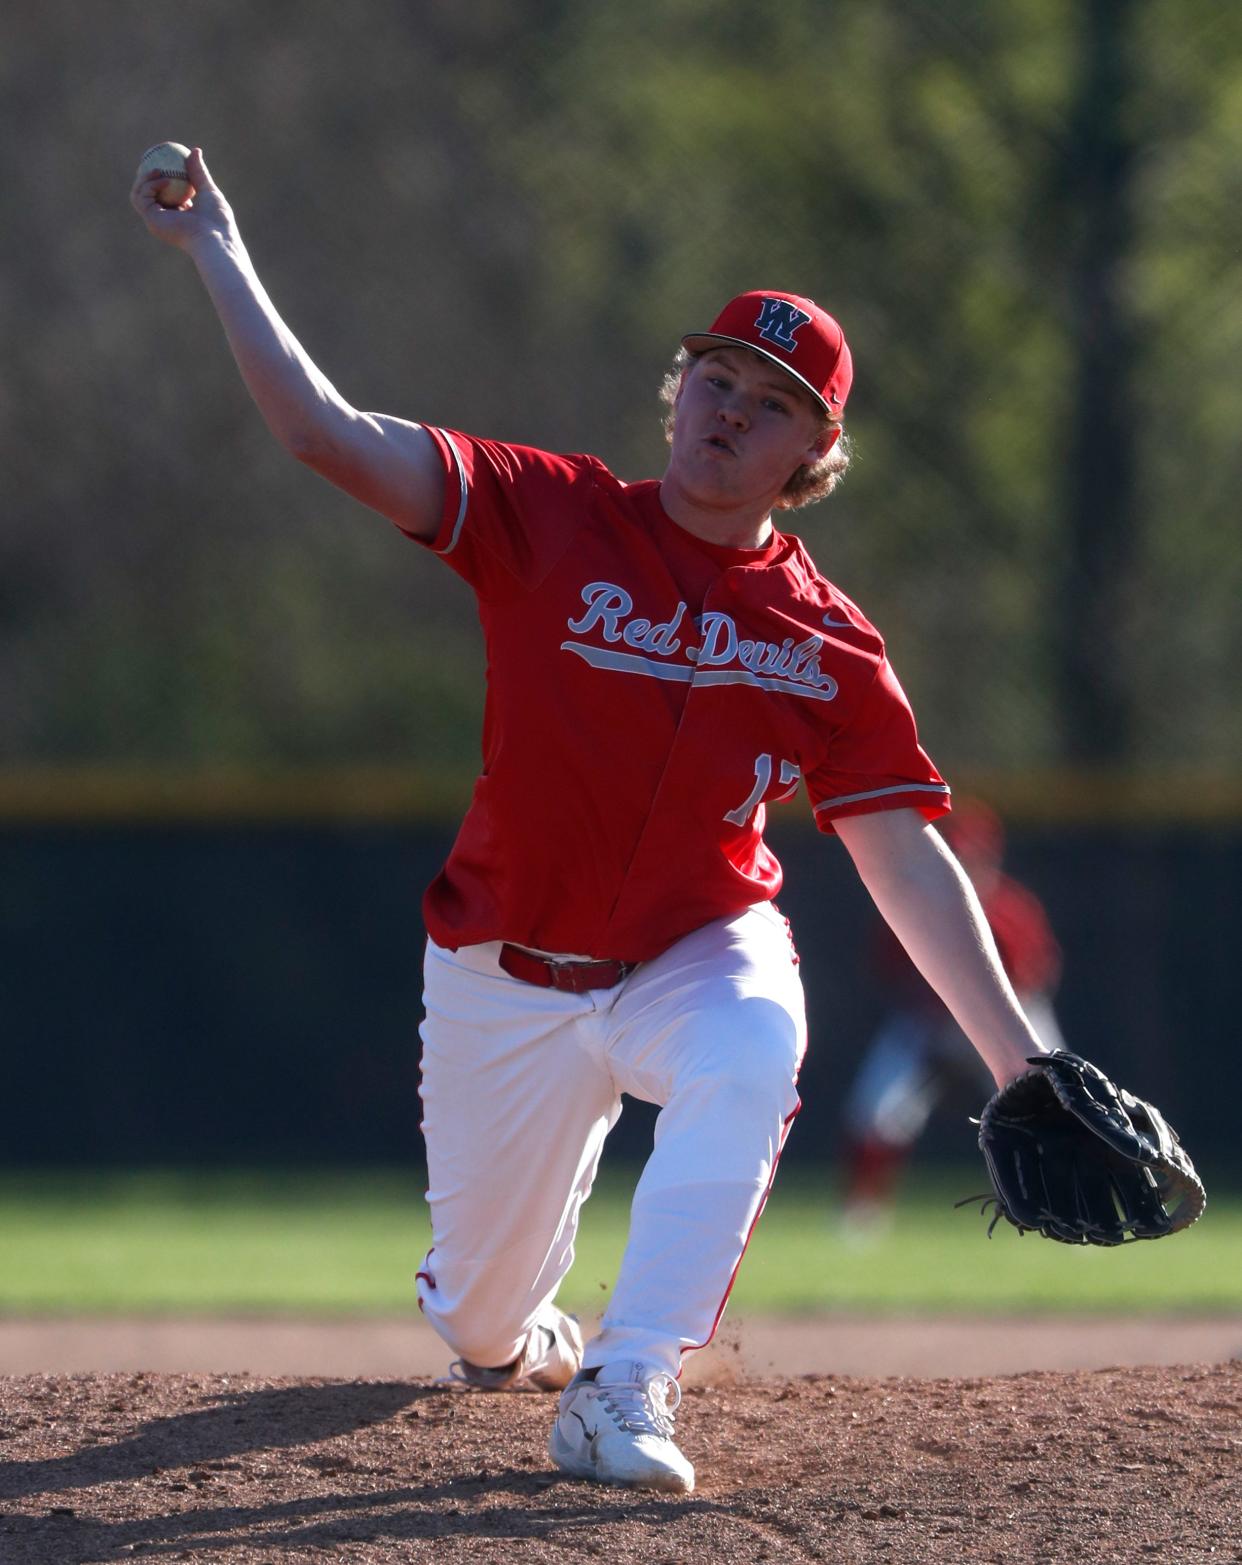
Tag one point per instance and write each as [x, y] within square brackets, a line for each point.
[1101, 510]
[501, 217]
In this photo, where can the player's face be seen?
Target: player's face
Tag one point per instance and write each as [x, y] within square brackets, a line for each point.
[742, 429]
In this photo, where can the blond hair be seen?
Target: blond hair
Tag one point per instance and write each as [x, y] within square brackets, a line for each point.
[810, 482]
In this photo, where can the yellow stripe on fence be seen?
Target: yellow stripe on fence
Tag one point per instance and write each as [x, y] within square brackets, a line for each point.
[134, 795]
[106, 794]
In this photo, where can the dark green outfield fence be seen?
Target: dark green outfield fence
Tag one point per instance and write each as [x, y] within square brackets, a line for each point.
[223, 992]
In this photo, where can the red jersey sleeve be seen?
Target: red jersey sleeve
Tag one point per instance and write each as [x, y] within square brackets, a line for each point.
[510, 512]
[875, 762]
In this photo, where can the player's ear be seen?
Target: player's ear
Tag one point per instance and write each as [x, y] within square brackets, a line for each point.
[823, 444]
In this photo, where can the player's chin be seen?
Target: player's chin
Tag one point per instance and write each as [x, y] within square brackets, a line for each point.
[714, 467]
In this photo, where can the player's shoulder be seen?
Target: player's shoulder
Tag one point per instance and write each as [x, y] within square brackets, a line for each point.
[584, 464]
[515, 459]
[842, 617]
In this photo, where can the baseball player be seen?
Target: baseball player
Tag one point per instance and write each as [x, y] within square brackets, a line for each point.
[663, 665]
[919, 1056]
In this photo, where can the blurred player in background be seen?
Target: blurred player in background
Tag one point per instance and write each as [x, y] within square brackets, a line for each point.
[663, 664]
[919, 1057]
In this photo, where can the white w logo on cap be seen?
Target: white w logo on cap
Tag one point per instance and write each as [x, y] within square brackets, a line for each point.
[777, 322]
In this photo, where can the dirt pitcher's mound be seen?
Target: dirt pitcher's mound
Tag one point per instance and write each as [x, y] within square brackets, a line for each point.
[1091, 1466]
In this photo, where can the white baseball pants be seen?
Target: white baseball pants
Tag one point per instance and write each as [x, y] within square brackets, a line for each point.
[520, 1086]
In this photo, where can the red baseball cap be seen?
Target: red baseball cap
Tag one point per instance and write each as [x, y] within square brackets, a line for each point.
[791, 331]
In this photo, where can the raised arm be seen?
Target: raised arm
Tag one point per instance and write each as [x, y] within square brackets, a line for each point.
[387, 463]
[930, 905]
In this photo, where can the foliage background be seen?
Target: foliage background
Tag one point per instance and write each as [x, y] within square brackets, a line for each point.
[501, 217]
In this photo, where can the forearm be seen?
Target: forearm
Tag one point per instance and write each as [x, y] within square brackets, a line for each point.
[930, 905]
[300, 405]
[390, 464]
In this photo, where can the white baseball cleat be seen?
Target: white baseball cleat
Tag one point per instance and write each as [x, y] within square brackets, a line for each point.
[550, 1360]
[615, 1425]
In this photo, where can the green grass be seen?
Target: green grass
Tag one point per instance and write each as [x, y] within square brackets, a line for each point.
[327, 1242]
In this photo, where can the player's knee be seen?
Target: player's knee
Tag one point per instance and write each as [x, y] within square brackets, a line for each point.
[751, 1098]
[479, 1320]
[476, 1330]
[756, 1064]
[490, 1349]
[735, 1121]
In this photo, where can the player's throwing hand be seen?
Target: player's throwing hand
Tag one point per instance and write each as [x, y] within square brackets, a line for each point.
[205, 212]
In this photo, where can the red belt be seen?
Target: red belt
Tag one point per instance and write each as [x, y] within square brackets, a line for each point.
[572, 977]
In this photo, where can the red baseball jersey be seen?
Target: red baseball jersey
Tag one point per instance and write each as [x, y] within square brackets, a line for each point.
[648, 695]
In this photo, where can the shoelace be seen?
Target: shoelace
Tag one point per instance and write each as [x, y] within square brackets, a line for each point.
[632, 1404]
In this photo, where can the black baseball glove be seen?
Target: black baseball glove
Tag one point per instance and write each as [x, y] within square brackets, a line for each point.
[1077, 1159]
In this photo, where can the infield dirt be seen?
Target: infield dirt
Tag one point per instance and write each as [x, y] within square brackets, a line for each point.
[1085, 1466]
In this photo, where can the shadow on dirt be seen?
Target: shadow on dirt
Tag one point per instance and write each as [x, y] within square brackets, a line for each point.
[234, 1424]
[572, 1516]
[191, 1451]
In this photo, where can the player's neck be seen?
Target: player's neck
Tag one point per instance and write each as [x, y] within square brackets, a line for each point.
[730, 527]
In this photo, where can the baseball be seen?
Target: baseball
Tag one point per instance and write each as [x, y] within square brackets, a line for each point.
[167, 158]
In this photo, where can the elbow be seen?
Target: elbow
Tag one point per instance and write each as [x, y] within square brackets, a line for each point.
[306, 444]
[321, 432]
[334, 452]
[316, 447]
